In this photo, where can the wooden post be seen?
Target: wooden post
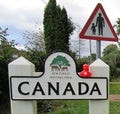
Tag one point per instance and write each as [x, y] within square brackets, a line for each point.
[22, 67]
[99, 69]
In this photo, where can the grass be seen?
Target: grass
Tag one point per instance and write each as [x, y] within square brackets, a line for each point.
[114, 107]
[114, 88]
[70, 107]
[79, 107]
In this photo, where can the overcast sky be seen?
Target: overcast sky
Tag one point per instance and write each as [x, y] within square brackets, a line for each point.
[21, 15]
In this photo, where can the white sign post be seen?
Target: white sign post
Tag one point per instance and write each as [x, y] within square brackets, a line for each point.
[99, 106]
[22, 67]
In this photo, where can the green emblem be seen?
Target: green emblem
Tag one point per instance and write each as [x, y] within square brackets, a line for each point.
[60, 63]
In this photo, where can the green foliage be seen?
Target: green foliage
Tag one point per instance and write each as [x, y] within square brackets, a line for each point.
[37, 58]
[113, 72]
[7, 50]
[45, 106]
[50, 25]
[118, 71]
[57, 28]
[68, 107]
[110, 48]
[116, 79]
[118, 26]
[80, 63]
[7, 54]
[93, 56]
[112, 58]
[60, 61]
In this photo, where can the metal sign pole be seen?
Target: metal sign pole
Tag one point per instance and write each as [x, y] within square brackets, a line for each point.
[98, 49]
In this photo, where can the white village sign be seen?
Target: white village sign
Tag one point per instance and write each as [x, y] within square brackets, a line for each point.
[59, 81]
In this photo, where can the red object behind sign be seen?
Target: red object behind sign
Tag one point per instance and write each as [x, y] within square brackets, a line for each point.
[85, 72]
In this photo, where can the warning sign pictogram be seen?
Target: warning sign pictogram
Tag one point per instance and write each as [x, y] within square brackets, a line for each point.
[98, 26]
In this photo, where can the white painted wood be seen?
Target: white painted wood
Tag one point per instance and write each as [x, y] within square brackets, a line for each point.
[22, 67]
[99, 69]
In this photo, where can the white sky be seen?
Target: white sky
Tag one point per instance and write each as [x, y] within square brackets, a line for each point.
[21, 15]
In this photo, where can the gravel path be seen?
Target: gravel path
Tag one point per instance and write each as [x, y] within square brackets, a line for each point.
[115, 98]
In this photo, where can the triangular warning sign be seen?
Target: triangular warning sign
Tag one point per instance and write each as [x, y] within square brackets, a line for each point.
[98, 26]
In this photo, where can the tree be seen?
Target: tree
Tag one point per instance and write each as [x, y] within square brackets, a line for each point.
[118, 29]
[110, 48]
[34, 40]
[57, 28]
[59, 38]
[118, 26]
[50, 25]
[35, 47]
[37, 58]
[68, 25]
[111, 55]
[7, 52]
